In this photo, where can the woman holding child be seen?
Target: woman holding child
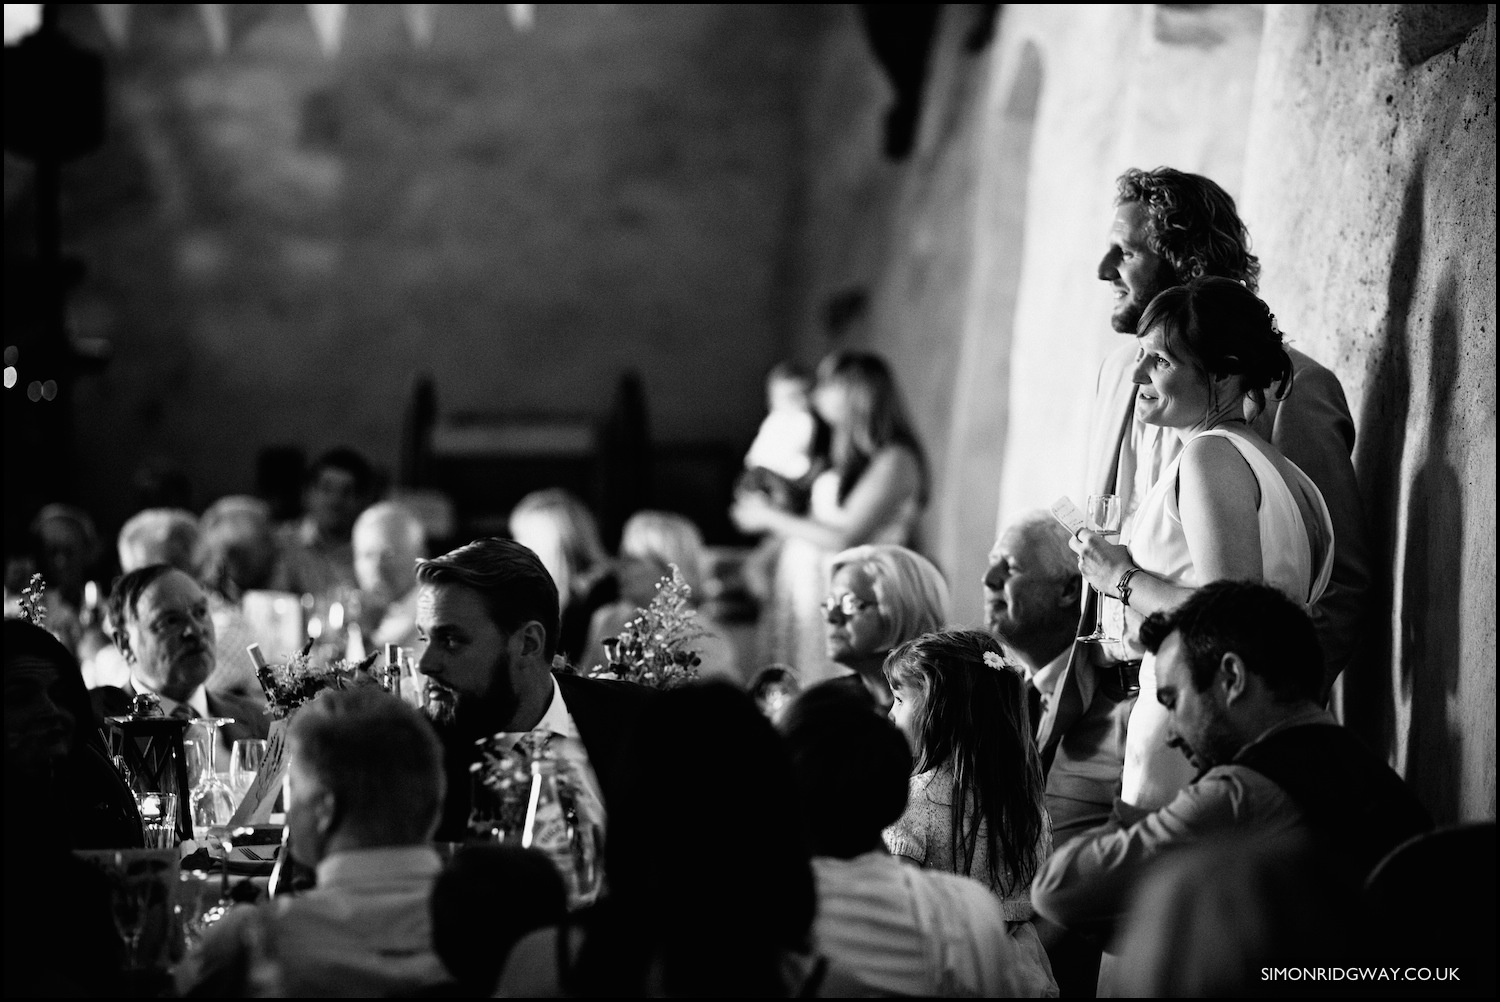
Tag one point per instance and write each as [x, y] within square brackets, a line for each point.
[1230, 506]
[872, 493]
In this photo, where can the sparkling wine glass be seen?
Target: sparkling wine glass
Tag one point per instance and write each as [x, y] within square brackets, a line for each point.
[131, 899]
[1106, 518]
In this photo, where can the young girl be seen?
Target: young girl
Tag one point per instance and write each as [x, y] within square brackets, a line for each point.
[975, 801]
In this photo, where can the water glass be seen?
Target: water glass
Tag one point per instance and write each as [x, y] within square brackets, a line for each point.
[158, 819]
[244, 763]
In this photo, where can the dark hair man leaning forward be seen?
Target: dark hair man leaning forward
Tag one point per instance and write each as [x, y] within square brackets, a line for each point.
[1171, 227]
[1239, 671]
[488, 614]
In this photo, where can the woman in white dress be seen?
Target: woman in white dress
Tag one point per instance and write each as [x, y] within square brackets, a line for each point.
[872, 494]
[1230, 506]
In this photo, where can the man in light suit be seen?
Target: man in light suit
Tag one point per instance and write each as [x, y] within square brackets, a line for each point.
[160, 620]
[1169, 228]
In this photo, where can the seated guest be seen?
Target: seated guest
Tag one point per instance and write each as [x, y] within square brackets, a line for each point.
[710, 893]
[1239, 675]
[900, 930]
[487, 613]
[154, 536]
[652, 543]
[237, 555]
[561, 531]
[879, 596]
[1032, 595]
[366, 783]
[158, 536]
[1207, 921]
[160, 620]
[974, 804]
[473, 936]
[317, 550]
[65, 546]
[56, 762]
[388, 542]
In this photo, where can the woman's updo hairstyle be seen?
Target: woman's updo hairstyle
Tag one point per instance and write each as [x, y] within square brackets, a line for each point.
[1224, 329]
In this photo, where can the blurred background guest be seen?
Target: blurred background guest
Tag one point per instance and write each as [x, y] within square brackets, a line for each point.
[159, 536]
[1207, 921]
[317, 548]
[873, 493]
[236, 556]
[879, 597]
[470, 933]
[366, 785]
[899, 930]
[975, 802]
[388, 542]
[559, 528]
[651, 544]
[727, 914]
[56, 762]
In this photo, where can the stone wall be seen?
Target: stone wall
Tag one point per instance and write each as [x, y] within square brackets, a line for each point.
[277, 241]
[1360, 144]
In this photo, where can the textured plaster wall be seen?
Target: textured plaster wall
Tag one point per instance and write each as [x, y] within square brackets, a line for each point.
[277, 240]
[1371, 194]
[1366, 175]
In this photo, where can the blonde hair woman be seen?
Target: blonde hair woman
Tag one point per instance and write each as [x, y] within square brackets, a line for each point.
[879, 597]
[872, 494]
[557, 526]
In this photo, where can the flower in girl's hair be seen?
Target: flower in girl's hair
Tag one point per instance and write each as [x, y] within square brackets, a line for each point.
[993, 660]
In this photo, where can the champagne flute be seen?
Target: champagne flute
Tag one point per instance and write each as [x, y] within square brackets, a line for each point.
[130, 906]
[1106, 518]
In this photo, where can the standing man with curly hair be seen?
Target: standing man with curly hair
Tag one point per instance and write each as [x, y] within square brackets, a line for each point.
[1171, 227]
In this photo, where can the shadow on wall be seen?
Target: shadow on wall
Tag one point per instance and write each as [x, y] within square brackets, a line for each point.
[1431, 579]
[1369, 706]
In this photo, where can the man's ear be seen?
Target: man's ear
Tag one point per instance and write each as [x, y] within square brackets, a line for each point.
[533, 639]
[326, 814]
[1234, 677]
[122, 641]
[1071, 593]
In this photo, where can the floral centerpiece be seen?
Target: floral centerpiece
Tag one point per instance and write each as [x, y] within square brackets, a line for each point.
[288, 686]
[504, 778]
[655, 648]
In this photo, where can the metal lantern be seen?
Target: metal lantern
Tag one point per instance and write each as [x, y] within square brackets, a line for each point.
[151, 745]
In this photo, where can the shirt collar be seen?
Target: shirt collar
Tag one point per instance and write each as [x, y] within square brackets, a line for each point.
[1045, 678]
[1314, 715]
[557, 720]
[376, 866]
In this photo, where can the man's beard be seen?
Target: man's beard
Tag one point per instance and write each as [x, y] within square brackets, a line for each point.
[480, 715]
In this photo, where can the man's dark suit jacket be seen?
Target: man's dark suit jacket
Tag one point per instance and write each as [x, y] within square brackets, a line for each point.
[604, 712]
[250, 719]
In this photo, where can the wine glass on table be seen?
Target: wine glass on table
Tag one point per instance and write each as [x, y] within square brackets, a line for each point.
[211, 800]
[1105, 517]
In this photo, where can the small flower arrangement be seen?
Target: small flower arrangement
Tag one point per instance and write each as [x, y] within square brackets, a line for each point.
[34, 601]
[288, 686]
[504, 771]
[654, 648]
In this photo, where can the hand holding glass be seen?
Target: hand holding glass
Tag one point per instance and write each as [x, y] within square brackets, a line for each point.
[1106, 518]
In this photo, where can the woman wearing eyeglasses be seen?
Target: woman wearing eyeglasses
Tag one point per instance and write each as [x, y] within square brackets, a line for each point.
[879, 597]
[872, 493]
